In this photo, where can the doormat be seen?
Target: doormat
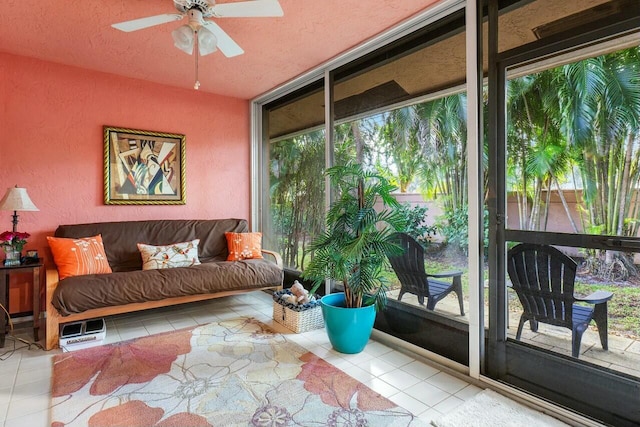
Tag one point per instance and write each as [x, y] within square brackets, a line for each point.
[490, 409]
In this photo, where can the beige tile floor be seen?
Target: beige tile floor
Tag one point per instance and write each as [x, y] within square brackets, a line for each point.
[415, 384]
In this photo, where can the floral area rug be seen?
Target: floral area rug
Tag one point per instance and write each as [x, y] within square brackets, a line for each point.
[232, 373]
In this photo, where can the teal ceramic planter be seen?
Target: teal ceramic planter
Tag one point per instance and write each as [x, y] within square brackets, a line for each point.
[349, 329]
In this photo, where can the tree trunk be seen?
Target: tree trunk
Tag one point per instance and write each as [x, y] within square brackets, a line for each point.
[565, 205]
[547, 205]
[535, 207]
[357, 137]
[625, 183]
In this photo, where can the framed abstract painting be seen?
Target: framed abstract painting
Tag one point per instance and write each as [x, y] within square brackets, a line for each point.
[143, 167]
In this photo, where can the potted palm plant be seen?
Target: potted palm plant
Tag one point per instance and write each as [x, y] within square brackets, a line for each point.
[353, 250]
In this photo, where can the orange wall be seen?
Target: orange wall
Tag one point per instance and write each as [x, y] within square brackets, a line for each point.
[51, 120]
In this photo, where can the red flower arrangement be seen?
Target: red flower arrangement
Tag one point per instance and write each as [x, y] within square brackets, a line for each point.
[14, 240]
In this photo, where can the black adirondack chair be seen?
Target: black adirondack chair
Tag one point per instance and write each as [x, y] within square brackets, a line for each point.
[543, 278]
[409, 267]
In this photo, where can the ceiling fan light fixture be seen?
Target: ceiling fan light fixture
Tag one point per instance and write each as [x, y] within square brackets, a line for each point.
[183, 38]
[205, 36]
[207, 41]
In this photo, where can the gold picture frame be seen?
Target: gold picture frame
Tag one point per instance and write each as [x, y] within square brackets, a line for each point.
[143, 167]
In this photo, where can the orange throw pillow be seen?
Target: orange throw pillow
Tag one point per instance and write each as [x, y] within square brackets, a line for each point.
[76, 257]
[244, 246]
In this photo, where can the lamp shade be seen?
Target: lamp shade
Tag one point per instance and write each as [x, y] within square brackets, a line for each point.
[17, 199]
[207, 41]
[183, 38]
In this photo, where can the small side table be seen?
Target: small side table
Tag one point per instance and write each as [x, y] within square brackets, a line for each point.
[36, 268]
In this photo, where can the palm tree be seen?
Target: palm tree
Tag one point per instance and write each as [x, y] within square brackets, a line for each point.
[585, 115]
[444, 142]
[399, 138]
[358, 238]
[296, 194]
[600, 105]
[537, 148]
[580, 117]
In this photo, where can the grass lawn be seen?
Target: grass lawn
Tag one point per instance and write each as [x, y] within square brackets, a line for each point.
[623, 309]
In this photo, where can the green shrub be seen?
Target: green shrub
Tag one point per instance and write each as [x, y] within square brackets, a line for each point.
[417, 228]
[454, 226]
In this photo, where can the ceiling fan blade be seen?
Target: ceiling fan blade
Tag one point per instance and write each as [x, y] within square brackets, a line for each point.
[150, 21]
[225, 43]
[248, 9]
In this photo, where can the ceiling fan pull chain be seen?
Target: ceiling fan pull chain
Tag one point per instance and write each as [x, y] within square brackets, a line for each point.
[196, 49]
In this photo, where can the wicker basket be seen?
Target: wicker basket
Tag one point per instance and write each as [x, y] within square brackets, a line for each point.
[297, 318]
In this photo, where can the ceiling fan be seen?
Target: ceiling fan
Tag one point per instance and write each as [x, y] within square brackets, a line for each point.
[201, 32]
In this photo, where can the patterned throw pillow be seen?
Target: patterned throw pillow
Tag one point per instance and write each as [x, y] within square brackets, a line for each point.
[244, 246]
[77, 257]
[184, 254]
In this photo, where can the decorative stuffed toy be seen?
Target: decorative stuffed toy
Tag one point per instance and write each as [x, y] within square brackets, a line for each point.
[289, 299]
[300, 293]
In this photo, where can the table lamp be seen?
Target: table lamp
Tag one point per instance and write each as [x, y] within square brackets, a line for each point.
[16, 199]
